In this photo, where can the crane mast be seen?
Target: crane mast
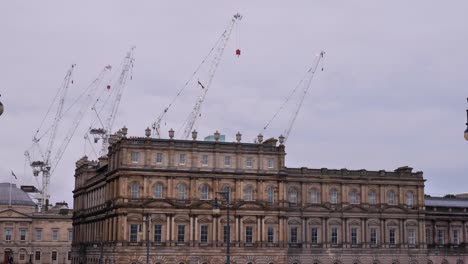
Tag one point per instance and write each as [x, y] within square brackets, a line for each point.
[217, 50]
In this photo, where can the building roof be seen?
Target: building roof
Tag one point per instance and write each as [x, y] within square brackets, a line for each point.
[446, 202]
[18, 196]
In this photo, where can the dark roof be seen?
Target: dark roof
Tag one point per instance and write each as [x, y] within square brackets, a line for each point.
[18, 196]
[446, 202]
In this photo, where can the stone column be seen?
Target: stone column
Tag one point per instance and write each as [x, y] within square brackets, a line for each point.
[191, 240]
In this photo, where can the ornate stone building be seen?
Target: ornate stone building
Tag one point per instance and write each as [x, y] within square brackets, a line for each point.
[28, 236]
[158, 195]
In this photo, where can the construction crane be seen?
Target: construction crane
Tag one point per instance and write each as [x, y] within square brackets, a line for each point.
[303, 86]
[110, 110]
[215, 54]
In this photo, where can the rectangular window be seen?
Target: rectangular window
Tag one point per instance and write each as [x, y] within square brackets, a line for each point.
[37, 255]
[313, 196]
[391, 236]
[204, 160]
[54, 235]
[411, 236]
[249, 162]
[70, 235]
[54, 255]
[428, 236]
[314, 235]
[182, 159]
[271, 234]
[354, 235]
[22, 234]
[135, 157]
[69, 255]
[181, 233]
[227, 161]
[293, 234]
[248, 234]
[373, 236]
[204, 234]
[456, 239]
[159, 158]
[225, 234]
[157, 233]
[441, 239]
[271, 163]
[38, 234]
[133, 233]
[334, 235]
[21, 257]
[7, 234]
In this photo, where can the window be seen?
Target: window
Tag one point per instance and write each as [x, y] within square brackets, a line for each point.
[271, 163]
[133, 233]
[204, 192]
[456, 239]
[54, 255]
[159, 158]
[181, 192]
[227, 190]
[158, 191]
[293, 238]
[248, 234]
[391, 197]
[69, 255]
[293, 196]
[334, 196]
[373, 236]
[391, 236]
[37, 255]
[134, 190]
[135, 156]
[411, 236]
[441, 237]
[354, 197]
[428, 236]
[204, 160]
[157, 233]
[248, 193]
[21, 256]
[372, 198]
[314, 235]
[22, 234]
[334, 235]
[7, 234]
[271, 195]
[270, 234]
[54, 235]
[227, 161]
[313, 196]
[38, 234]
[204, 234]
[225, 234]
[70, 235]
[409, 199]
[181, 159]
[249, 162]
[181, 233]
[354, 235]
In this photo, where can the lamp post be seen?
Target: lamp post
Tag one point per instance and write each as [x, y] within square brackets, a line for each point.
[216, 211]
[146, 218]
[466, 131]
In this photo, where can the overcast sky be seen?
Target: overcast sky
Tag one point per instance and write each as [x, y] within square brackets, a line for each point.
[392, 93]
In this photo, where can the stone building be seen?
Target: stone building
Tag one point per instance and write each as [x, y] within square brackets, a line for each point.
[29, 236]
[154, 197]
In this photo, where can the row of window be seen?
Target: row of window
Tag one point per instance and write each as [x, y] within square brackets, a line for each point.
[204, 194]
[441, 238]
[204, 160]
[53, 256]
[37, 234]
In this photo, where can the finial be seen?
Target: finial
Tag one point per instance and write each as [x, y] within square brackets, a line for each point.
[216, 135]
[147, 132]
[194, 134]
[260, 138]
[171, 133]
[281, 139]
[238, 137]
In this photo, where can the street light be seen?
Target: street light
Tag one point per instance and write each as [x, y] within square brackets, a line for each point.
[146, 218]
[216, 211]
[466, 131]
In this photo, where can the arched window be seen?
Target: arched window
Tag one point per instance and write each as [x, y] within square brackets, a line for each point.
[372, 200]
[353, 197]
[248, 196]
[334, 196]
[181, 190]
[313, 196]
[158, 191]
[271, 195]
[134, 190]
[391, 197]
[409, 199]
[204, 192]
[293, 196]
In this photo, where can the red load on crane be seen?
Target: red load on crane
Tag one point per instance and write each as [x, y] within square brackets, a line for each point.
[238, 52]
[108, 87]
